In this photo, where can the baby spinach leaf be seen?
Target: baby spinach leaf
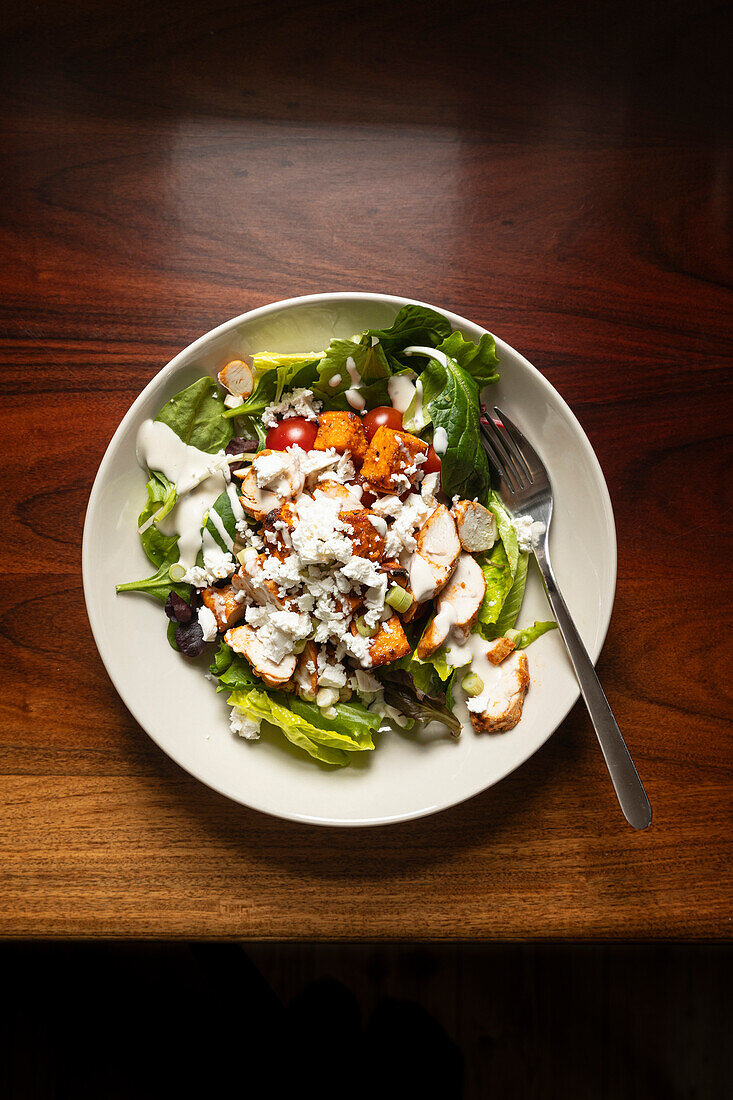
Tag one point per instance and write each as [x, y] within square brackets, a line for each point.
[479, 360]
[161, 497]
[159, 586]
[196, 415]
[450, 397]
[412, 325]
[368, 361]
[223, 508]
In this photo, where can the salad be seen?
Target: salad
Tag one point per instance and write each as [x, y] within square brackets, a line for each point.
[323, 524]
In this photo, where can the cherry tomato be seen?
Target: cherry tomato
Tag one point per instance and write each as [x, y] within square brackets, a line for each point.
[295, 431]
[431, 465]
[382, 416]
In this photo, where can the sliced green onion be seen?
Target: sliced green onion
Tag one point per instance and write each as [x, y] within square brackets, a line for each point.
[176, 572]
[242, 556]
[472, 684]
[399, 599]
[512, 635]
[364, 629]
[299, 646]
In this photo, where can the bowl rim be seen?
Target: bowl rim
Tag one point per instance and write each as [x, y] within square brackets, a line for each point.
[324, 298]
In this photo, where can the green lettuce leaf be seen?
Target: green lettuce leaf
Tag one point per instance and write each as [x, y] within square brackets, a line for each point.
[513, 602]
[504, 524]
[327, 739]
[369, 361]
[162, 550]
[499, 577]
[412, 325]
[196, 416]
[223, 508]
[450, 399]
[479, 360]
[523, 638]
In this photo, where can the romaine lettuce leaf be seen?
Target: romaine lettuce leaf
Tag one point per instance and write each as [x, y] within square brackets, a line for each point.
[499, 577]
[196, 416]
[507, 533]
[513, 602]
[523, 638]
[329, 740]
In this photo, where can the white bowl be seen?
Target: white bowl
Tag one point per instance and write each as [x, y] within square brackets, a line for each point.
[409, 774]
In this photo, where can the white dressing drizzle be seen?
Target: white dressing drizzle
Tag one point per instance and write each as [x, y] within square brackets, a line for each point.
[440, 441]
[352, 395]
[237, 508]
[198, 478]
[401, 390]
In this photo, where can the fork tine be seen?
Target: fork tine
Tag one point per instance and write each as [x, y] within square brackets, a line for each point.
[491, 431]
[531, 459]
[497, 463]
[515, 452]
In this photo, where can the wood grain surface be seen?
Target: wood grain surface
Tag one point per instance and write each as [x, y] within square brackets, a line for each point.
[556, 173]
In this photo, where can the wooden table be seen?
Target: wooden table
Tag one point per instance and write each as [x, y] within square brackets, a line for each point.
[556, 175]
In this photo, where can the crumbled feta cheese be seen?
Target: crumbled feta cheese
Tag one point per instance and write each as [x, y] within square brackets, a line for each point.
[298, 403]
[269, 468]
[207, 622]
[527, 530]
[363, 571]
[318, 537]
[332, 676]
[240, 724]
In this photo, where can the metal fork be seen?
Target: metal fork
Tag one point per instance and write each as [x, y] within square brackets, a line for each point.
[525, 489]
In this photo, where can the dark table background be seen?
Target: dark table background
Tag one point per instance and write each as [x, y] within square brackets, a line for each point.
[557, 172]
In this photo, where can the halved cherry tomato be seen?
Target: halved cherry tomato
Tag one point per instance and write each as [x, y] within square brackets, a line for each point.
[382, 416]
[431, 465]
[295, 431]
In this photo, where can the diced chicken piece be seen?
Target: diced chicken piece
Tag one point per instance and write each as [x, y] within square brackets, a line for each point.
[436, 556]
[305, 678]
[503, 708]
[389, 644]
[476, 526]
[349, 602]
[366, 537]
[336, 491]
[278, 472]
[498, 650]
[224, 605]
[276, 527]
[457, 606]
[393, 460]
[342, 431]
[243, 640]
[256, 502]
[237, 377]
[261, 589]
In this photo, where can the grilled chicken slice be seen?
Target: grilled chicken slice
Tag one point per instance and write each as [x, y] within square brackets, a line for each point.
[336, 491]
[305, 677]
[256, 502]
[499, 707]
[224, 605]
[457, 606]
[436, 556]
[237, 377]
[243, 640]
[476, 526]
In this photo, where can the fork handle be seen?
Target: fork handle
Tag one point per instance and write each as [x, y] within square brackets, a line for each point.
[624, 776]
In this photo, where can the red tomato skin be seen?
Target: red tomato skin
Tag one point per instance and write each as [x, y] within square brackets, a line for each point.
[383, 415]
[296, 430]
[431, 465]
